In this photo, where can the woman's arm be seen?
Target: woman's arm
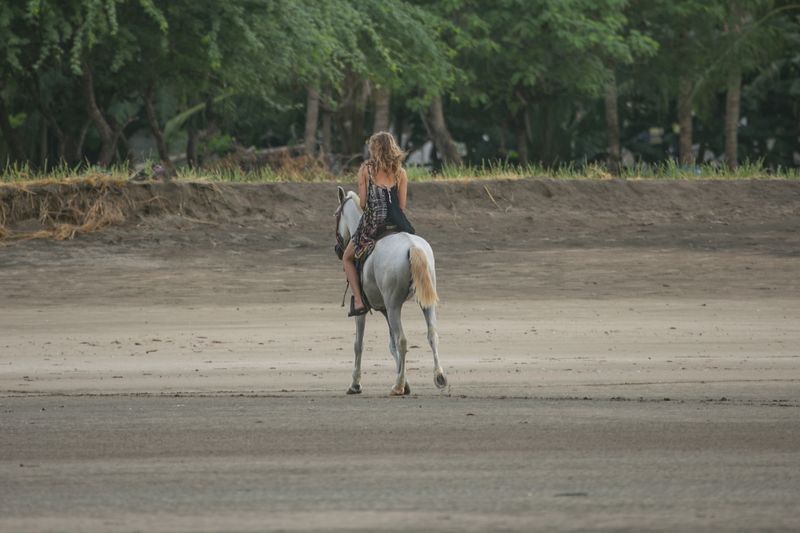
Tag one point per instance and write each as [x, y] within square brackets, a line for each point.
[362, 186]
[402, 188]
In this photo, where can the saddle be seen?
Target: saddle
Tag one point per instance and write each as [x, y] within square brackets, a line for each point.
[360, 262]
[389, 229]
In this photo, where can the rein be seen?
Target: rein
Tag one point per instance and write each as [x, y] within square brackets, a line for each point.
[340, 244]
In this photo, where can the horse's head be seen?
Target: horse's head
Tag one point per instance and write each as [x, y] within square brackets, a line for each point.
[347, 216]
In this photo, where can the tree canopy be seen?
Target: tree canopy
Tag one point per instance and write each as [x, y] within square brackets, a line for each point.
[552, 81]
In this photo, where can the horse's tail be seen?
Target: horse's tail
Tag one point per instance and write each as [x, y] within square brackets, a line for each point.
[424, 289]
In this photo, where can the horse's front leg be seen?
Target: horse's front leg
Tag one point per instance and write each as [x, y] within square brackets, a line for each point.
[400, 348]
[358, 346]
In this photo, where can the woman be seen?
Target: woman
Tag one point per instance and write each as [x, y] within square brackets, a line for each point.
[382, 191]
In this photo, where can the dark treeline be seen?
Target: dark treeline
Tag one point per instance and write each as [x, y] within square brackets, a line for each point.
[542, 81]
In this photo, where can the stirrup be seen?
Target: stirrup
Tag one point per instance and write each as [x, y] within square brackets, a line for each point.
[357, 312]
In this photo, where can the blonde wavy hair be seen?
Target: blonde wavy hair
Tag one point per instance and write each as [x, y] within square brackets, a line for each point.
[384, 153]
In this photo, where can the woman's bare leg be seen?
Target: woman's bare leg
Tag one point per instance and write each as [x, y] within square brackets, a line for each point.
[348, 260]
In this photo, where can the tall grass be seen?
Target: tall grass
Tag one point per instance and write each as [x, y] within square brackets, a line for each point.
[24, 173]
[664, 170]
[236, 175]
[672, 170]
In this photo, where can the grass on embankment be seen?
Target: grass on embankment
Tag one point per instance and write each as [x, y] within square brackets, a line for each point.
[666, 170]
[19, 174]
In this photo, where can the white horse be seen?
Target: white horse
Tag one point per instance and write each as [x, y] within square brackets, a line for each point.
[400, 266]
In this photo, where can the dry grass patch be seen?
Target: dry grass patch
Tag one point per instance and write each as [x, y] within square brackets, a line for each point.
[62, 208]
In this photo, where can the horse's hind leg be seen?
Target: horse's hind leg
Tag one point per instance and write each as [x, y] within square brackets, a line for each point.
[395, 354]
[433, 339]
[358, 346]
[400, 349]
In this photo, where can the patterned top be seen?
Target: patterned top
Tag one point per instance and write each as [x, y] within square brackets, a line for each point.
[375, 218]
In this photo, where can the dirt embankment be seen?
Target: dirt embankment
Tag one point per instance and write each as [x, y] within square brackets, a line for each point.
[604, 327]
[62, 211]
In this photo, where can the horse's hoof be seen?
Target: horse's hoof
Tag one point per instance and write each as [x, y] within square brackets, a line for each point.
[399, 391]
[406, 390]
[440, 381]
[354, 389]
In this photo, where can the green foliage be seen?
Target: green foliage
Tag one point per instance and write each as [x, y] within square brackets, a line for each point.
[509, 70]
[219, 144]
[543, 47]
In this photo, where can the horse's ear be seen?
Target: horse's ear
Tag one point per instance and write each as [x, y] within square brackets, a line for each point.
[340, 190]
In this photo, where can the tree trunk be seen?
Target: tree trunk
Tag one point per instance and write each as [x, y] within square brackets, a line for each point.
[445, 145]
[70, 147]
[99, 121]
[78, 150]
[202, 134]
[612, 129]
[312, 118]
[350, 115]
[43, 148]
[327, 137]
[119, 133]
[14, 143]
[191, 147]
[400, 126]
[212, 119]
[732, 107]
[547, 150]
[685, 154]
[64, 140]
[124, 152]
[734, 92]
[382, 100]
[522, 143]
[358, 117]
[155, 129]
[66, 147]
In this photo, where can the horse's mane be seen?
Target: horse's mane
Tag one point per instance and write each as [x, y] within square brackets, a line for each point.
[354, 196]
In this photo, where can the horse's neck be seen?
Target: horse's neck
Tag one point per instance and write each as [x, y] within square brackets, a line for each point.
[352, 217]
